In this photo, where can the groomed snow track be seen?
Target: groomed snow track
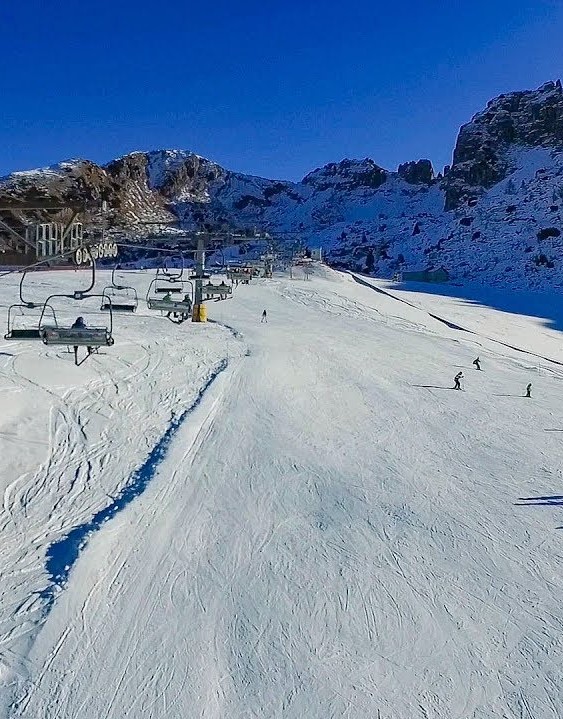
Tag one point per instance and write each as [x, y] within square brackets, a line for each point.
[328, 532]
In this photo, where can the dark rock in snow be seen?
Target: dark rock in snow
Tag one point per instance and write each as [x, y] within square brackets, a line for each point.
[420, 172]
[548, 232]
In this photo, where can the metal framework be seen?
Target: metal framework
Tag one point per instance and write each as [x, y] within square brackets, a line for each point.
[43, 237]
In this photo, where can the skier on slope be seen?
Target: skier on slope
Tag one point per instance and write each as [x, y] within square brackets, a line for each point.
[264, 317]
[457, 379]
[477, 363]
[529, 390]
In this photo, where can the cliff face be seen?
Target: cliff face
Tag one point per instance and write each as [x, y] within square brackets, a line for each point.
[518, 119]
[495, 216]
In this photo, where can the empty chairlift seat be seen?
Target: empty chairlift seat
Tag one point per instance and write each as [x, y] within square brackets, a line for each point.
[122, 299]
[19, 312]
[119, 306]
[119, 297]
[32, 333]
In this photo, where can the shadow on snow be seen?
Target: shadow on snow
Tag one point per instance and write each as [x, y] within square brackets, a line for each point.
[62, 554]
[544, 306]
[553, 500]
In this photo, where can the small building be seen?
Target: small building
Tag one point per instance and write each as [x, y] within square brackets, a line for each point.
[437, 275]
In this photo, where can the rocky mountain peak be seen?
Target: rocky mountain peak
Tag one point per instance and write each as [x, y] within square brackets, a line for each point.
[505, 183]
[347, 175]
[531, 118]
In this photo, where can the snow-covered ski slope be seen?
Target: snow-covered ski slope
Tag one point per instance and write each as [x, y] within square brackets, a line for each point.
[327, 530]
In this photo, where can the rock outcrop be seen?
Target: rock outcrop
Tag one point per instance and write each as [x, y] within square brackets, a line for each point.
[347, 175]
[523, 119]
[416, 173]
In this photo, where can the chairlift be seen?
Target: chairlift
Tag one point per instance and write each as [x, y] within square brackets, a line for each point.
[222, 290]
[127, 301]
[177, 311]
[90, 337]
[26, 333]
[240, 274]
[170, 273]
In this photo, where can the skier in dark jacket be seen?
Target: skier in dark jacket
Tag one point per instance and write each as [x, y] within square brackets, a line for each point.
[264, 316]
[529, 390]
[79, 324]
[477, 363]
[457, 379]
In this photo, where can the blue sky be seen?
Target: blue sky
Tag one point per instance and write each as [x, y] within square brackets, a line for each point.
[269, 89]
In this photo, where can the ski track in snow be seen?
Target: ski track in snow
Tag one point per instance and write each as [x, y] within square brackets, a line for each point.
[329, 533]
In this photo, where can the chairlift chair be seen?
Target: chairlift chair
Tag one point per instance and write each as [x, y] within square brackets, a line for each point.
[90, 337]
[223, 290]
[128, 301]
[26, 333]
[169, 273]
[177, 311]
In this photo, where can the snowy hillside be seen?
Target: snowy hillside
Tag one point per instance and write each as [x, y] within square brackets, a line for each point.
[511, 237]
[297, 518]
[494, 216]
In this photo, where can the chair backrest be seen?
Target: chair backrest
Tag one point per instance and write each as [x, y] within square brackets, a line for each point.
[222, 289]
[172, 288]
[73, 336]
[168, 305]
[119, 307]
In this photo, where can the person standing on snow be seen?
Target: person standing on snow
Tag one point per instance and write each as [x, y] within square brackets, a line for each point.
[264, 317]
[477, 363]
[529, 390]
[457, 379]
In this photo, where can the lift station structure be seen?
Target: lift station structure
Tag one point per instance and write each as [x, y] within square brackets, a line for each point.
[31, 231]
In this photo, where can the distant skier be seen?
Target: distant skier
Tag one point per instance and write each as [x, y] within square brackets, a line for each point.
[457, 379]
[264, 317]
[477, 363]
[529, 390]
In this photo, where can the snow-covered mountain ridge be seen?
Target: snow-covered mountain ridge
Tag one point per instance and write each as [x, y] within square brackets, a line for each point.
[494, 216]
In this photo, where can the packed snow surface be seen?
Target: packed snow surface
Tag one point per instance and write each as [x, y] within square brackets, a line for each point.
[311, 522]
